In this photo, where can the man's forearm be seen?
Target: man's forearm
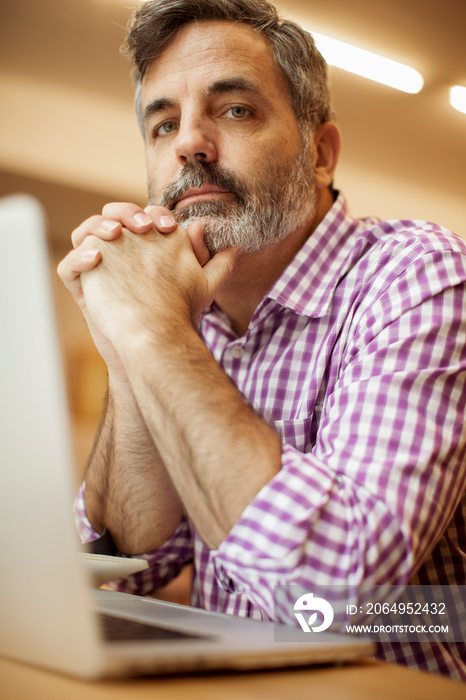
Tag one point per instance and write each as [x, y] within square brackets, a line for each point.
[218, 452]
[127, 488]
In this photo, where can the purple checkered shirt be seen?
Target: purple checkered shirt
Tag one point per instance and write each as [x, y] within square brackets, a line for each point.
[357, 357]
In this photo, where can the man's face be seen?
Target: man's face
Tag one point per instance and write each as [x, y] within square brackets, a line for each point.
[222, 141]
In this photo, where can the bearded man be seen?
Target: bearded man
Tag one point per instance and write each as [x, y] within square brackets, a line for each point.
[285, 383]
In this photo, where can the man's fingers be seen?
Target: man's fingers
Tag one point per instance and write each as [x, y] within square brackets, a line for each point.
[117, 215]
[164, 222]
[75, 263]
[220, 268]
[110, 224]
[129, 215]
[196, 235]
[162, 218]
[100, 226]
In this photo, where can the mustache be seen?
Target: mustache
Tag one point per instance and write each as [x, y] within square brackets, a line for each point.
[196, 174]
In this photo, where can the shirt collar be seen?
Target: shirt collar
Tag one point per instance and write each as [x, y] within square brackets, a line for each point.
[307, 284]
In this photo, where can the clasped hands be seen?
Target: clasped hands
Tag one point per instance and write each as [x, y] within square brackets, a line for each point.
[132, 269]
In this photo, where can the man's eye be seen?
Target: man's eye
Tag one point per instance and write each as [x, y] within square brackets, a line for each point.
[165, 128]
[238, 112]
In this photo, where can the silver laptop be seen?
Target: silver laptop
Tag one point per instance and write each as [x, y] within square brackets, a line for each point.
[51, 613]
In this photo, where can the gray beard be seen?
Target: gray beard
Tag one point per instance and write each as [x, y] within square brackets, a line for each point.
[259, 215]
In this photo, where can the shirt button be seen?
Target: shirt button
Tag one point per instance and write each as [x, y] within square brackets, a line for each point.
[237, 351]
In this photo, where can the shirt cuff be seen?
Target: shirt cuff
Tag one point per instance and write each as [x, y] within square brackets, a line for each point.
[84, 526]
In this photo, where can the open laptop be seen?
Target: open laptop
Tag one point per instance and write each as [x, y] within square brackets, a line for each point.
[50, 613]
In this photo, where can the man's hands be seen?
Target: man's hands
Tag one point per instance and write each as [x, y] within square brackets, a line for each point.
[163, 273]
[85, 257]
[150, 285]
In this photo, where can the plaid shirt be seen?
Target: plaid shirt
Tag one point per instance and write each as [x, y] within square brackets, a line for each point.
[357, 357]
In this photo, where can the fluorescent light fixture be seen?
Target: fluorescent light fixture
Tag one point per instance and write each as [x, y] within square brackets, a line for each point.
[368, 65]
[458, 98]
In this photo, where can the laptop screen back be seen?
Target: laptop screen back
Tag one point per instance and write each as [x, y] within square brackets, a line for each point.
[44, 616]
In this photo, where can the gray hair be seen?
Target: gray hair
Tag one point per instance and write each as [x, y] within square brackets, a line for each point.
[155, 24]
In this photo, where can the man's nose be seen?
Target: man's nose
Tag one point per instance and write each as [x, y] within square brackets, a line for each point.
[195, 142]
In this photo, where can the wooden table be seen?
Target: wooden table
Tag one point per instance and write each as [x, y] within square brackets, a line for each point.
[366, 680]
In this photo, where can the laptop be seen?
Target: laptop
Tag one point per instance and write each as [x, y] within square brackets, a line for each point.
[51, 612]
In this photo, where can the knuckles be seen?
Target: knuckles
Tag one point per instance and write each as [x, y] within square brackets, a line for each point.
[85, 229]
[155, 211]
[124, 210]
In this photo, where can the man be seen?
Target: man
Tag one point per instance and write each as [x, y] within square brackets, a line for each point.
[286, 384]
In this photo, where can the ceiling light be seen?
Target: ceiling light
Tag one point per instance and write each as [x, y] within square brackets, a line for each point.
[368, 65]
[458, 98]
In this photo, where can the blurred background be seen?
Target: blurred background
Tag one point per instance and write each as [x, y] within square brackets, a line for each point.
[68, 134]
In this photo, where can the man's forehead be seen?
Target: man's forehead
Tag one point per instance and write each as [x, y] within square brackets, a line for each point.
[214, 51]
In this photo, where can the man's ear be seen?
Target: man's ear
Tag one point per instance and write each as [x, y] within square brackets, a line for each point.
[327, 142]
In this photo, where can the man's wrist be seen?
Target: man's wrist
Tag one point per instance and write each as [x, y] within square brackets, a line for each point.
[164, 339]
